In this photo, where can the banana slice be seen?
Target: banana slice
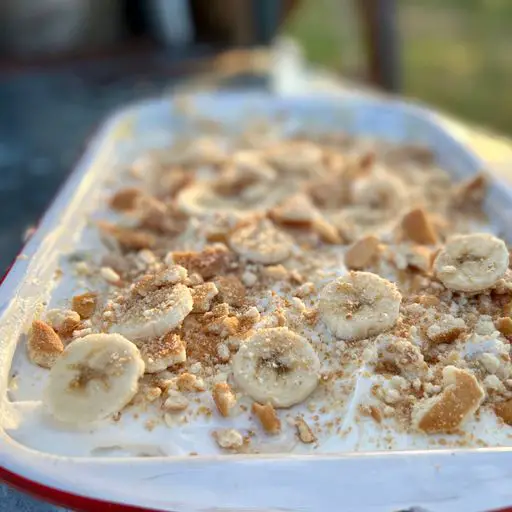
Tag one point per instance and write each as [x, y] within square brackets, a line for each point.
[246, 175]
[380, 192]
[261, 242]
[371, 205]
[295, 211]
[276, 366]
[359, 305]
[155, 313]
[472, 263]
[355, 222]
[202, 151]
[96, 376]
[203, 198]
[296, 157]
[251, 166]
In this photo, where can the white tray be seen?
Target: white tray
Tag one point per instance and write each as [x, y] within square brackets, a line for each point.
[438, 480]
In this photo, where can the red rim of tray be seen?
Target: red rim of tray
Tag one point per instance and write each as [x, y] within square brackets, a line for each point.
[63, 498]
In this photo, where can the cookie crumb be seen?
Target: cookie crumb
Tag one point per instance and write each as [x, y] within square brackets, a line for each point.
[295, 211]
[504, 411]
[276, 272]
[63, 321]
[304, 431]
[85, 304]
[125, 199]
[161, 353]
[229, 439]
[327, 232]
[249, 279]
[459, 400]
[110, 275]
[44, 345]
[446, 330]
[231, 290]
[372, 411]
[127, 238]
[361, 254]
[224, 398]
[471, 192]
[268, 417]
[223, 352]
[190, 382]
[152, 393]
[210, 262]
[504, 325]
[418, 227]
[175, 401]
[202, 296]
[490, 362]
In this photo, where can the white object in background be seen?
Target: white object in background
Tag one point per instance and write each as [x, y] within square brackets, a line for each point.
[287, 68]
[172, 21]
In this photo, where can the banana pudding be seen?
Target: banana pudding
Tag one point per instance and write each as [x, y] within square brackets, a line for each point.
[265, 294]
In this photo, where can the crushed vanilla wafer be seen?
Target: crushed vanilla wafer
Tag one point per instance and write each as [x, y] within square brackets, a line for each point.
[44, 345]
[504, 411]
[418, 227]
[446, 330]
[161, 353]
[63, 321]
[85, 304]
[202, 297]
[459, 400]
[304, 431]
[223, 397]
[175, 402]
[360, 254]
[229, 439]
[268, 417]
[190, 382]
[125, 199]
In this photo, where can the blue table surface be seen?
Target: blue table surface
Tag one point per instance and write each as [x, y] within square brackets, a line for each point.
[12, 500]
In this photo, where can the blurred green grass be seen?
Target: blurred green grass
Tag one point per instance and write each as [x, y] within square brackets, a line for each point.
[456, 54]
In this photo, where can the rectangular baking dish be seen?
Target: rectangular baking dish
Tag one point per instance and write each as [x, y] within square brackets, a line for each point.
[438, 480]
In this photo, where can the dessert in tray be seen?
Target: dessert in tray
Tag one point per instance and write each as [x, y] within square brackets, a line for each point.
[262, 293]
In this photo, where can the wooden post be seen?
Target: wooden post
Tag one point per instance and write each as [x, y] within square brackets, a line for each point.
[380, 32]
[243, 29]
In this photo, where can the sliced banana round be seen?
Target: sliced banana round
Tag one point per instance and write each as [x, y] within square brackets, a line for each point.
[472, 263]
[359, 305]
[203, 198]
[380, 191]
[295, 210]
[296, 157]
[202, 151]
[252, 166]
[246, 175]
[278, 366]
[96, 376]
[154, 314]
[261, 242]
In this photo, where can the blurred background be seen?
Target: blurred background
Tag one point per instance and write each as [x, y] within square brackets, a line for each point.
[66, 64]
[454, 54]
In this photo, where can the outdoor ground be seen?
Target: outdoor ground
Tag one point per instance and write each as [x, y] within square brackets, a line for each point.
[456, 54]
